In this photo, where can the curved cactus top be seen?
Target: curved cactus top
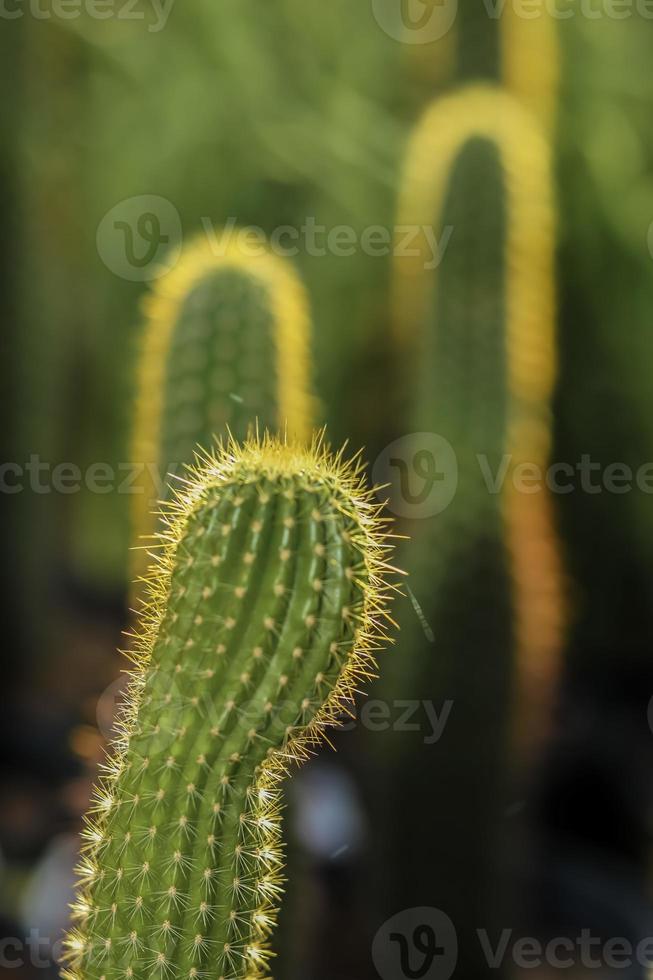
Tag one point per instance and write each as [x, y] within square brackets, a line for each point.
[484, 112]
[480, 332]
[265, 608]
[226, 346]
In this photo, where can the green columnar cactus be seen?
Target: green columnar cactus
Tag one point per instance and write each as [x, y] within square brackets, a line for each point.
[481, 165]
[479, 43]
[266, 605]
[477, 340]
[530, 61]
[519, 53]
[226, 346]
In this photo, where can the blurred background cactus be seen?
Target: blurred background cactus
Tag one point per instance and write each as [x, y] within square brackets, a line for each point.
[171, 120]
[226, 349]
[475, 338]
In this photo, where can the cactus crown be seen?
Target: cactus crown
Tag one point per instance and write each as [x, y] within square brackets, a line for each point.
[226, 342]
[265, 607]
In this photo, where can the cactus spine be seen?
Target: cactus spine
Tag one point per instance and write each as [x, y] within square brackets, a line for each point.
[266, 605]
[226, 345]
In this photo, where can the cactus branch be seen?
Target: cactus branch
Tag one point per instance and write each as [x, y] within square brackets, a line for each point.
[266, 605]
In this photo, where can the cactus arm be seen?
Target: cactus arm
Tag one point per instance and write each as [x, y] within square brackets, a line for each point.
[226, 343]
[266, 604]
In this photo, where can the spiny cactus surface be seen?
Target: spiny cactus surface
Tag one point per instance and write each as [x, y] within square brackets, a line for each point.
[226, 346]
[266, 606]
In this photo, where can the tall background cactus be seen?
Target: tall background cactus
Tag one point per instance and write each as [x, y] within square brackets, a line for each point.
[476, 339]
[266, 606]
[226, 347]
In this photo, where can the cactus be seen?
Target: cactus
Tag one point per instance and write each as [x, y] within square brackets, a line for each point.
[481, 165]
[265, 608]
[530, 61]
[226, 345]
[519, 53]
[477, 342]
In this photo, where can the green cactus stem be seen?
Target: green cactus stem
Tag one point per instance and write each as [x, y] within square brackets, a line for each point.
[266, 605]
[226, 346]
[479, 337]
[477, 340]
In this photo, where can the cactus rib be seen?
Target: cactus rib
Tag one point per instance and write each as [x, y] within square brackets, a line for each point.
[266, 606]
